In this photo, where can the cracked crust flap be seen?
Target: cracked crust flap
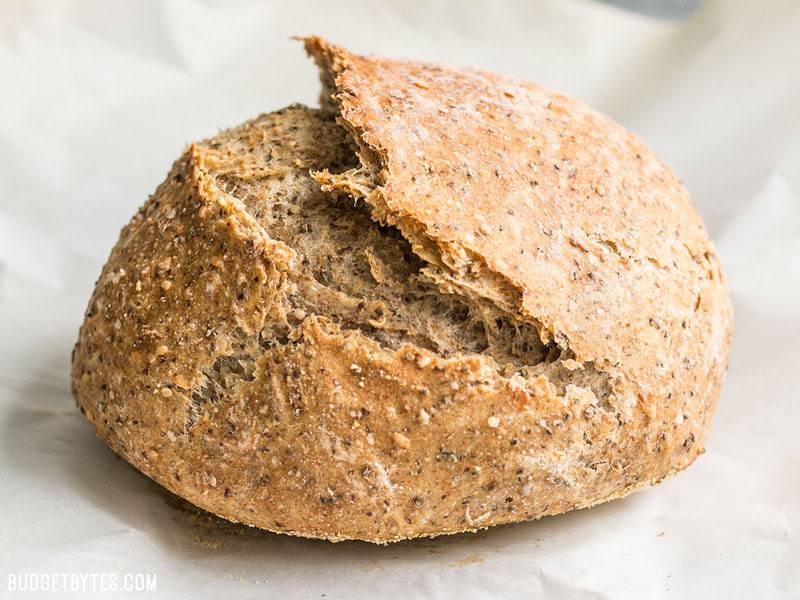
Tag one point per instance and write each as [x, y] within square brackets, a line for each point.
[521, 188]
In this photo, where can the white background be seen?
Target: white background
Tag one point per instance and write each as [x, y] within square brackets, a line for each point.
[98, 98]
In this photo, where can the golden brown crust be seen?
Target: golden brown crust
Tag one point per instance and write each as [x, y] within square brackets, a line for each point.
[510, 191]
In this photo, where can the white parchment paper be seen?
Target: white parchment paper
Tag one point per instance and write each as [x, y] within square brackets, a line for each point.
[98, 98]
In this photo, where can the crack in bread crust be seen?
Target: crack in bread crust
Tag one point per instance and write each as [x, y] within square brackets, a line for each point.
[360, 274]
[297, 174]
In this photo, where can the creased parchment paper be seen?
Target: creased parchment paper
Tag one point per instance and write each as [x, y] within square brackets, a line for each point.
[98, 98]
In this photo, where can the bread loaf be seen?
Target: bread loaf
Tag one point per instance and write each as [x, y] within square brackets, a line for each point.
[445, 300]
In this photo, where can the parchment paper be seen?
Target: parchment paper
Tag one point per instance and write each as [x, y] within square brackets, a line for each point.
[98, 98]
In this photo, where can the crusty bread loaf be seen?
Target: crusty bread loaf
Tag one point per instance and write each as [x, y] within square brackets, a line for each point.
[445, 300]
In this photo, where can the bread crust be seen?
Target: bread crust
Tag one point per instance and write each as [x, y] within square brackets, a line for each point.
[513, 192]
